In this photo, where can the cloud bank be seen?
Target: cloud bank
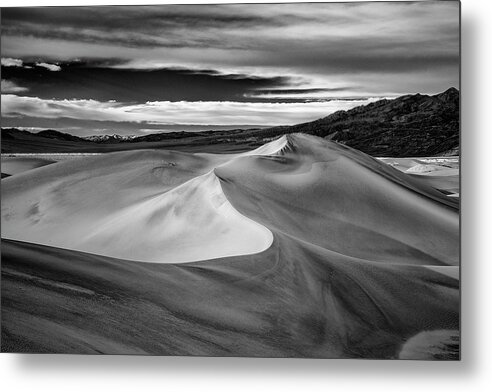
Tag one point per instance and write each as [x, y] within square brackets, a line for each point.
[215, 64]
[174, 113]
[395, 47]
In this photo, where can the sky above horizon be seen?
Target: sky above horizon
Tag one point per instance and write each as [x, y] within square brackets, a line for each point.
[141, 69]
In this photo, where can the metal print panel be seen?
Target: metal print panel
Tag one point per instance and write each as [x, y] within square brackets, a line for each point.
[260, 180]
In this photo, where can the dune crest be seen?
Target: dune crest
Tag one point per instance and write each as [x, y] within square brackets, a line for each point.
[191, 222]
[270, 148]
[174, 210]
[170, 207]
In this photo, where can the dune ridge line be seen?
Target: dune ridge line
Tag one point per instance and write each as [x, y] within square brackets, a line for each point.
[166, 207]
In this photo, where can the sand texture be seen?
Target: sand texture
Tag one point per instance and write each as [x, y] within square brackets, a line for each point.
[301, 248]
[16, 165]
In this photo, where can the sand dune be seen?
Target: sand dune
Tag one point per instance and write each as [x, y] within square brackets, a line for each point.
[169, 207]
[440, 172]
[423, 164]
[344, 201]
[193, 221]
[165, 210]
[302, 247]
[16, 165]
[432, 170]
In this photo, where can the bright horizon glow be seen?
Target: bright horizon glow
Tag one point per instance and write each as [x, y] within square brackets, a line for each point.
[168, 113]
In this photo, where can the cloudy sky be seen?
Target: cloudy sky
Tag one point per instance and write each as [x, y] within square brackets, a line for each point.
[133, 70]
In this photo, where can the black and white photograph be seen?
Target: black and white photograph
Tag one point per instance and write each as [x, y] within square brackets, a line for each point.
[271, 180]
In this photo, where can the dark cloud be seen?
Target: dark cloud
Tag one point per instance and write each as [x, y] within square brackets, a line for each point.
[83, 80]
[139, 26]
[358, 59]
[127, 18]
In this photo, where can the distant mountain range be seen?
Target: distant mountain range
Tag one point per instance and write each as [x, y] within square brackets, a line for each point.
[411, 125]
[114, 138]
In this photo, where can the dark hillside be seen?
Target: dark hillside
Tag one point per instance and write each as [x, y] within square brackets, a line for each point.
[411, 125]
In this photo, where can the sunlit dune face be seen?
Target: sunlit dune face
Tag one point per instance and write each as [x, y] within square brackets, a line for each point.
[171, 209]
[165, 207]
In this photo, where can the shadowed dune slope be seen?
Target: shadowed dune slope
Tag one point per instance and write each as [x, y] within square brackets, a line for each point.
[346, 202]
[447, 183]
[330, 253]
[292, 300]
